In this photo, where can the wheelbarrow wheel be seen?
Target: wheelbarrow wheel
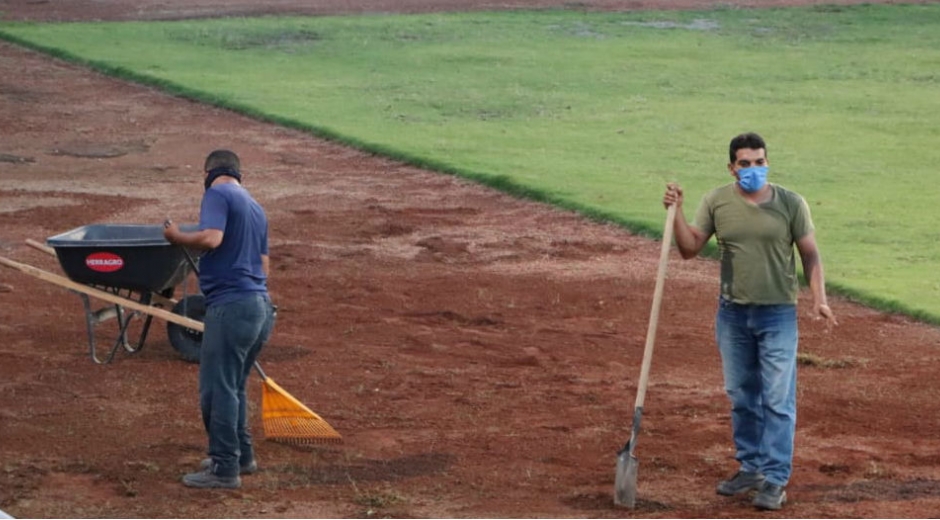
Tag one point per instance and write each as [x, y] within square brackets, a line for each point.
[187, 341]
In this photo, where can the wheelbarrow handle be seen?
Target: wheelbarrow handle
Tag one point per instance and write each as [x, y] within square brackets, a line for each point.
[190, 260]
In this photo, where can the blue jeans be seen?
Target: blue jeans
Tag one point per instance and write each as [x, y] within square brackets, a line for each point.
[758, 346]
[234, 334]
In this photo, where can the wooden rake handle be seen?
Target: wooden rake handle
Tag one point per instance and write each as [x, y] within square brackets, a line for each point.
[102, 295]
[654, 311]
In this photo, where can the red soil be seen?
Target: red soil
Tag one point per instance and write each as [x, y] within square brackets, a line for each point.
[479, 353]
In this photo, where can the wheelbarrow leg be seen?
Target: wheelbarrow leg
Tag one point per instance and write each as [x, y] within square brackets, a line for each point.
[146, 298]
[124, 319]
[91, 319]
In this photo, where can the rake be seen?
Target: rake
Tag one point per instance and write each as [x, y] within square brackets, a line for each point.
[287, 420]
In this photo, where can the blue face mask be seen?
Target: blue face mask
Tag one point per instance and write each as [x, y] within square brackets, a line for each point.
[752, 179]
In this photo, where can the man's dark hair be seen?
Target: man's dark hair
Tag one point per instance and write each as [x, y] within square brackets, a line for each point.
[222, 159]
[749, 140]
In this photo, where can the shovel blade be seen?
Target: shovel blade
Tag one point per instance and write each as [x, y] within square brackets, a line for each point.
[625, 480]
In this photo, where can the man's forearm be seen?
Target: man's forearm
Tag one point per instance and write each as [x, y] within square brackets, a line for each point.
[813, 270]
[205, 239]
[686, 240]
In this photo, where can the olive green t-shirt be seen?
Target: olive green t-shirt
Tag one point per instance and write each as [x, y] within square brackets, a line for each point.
[758, 261]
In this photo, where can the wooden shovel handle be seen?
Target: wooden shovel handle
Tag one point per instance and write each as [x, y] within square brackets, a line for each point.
[654, 312]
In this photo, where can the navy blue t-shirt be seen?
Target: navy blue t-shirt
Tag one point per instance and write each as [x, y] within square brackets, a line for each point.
[234, 268]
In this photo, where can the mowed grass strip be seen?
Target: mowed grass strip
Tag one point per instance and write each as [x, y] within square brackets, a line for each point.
[597, 111]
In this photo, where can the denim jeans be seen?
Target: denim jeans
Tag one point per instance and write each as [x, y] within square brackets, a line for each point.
[234, 334]
[758, 346]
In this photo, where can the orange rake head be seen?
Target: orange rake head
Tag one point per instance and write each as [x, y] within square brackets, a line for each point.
[285, 419]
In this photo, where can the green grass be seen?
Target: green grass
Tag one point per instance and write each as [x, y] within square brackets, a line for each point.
[597, 111]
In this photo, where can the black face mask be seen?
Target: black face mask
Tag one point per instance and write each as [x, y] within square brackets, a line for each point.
[215, 173]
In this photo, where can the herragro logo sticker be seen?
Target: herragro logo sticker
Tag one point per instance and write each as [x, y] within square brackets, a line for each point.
[104, 262]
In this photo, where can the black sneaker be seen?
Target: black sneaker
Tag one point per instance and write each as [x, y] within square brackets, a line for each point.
[741, 482]
[770, 496]
[208, 479]
[245, 469]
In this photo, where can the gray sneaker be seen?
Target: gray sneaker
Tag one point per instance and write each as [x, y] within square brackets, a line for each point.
[245, 469]
[208, 479]
[770, 496]
[741, 482]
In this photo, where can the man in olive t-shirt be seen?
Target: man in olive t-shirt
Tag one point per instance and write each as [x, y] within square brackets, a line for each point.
[756, 225]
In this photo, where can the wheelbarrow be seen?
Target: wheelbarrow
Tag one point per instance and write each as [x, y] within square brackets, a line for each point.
[135, 270]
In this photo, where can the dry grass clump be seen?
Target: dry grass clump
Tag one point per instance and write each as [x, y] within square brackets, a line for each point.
[812, 360]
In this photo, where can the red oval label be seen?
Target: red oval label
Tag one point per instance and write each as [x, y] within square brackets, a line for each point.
[104, 262]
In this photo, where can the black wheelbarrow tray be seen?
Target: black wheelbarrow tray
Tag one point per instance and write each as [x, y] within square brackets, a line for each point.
[136, 271]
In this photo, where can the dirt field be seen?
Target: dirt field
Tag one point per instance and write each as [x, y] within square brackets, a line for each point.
[479, 353]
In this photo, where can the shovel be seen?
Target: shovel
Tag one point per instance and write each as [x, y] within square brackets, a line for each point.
[627, 463]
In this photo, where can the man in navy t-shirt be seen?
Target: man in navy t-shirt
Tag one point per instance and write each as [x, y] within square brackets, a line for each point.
[233, 230]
